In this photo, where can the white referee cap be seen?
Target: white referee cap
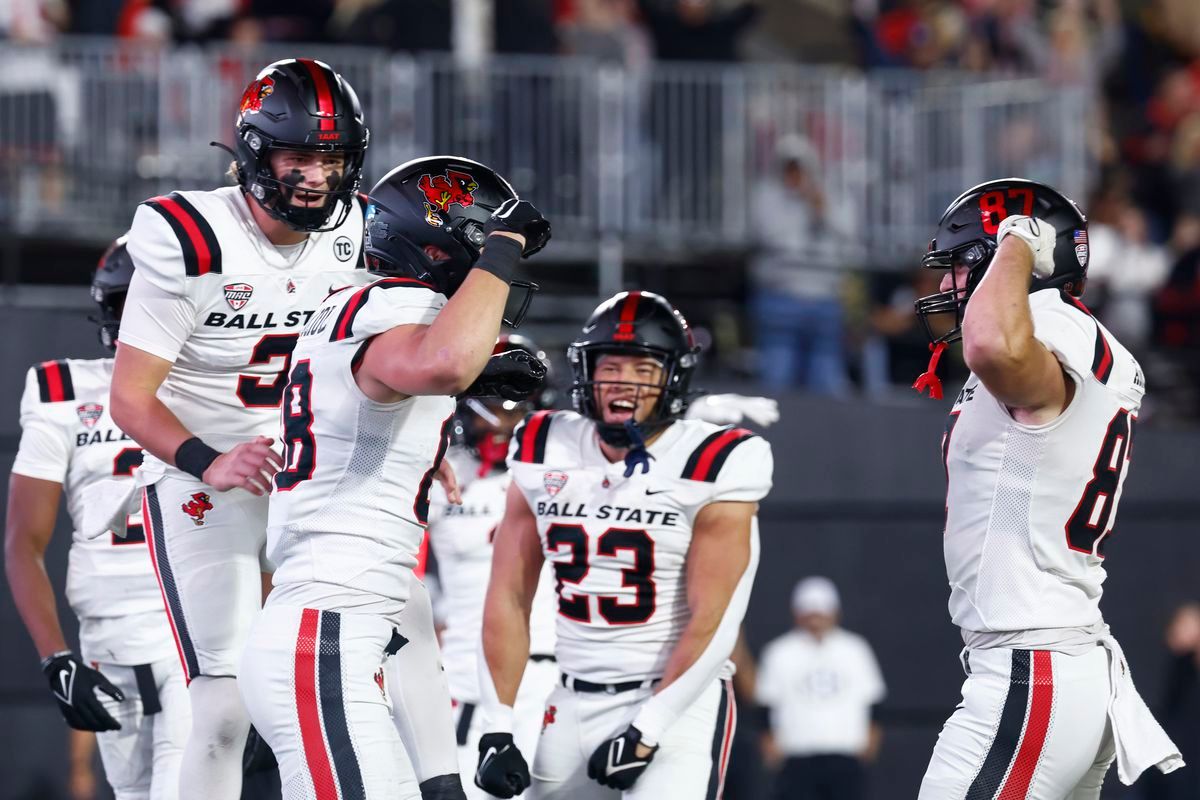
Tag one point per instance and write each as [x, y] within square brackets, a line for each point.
[815, 595]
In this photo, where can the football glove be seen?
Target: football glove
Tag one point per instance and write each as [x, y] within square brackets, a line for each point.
[520, 216]
[502, 770]
[616, 763]
[730, 409]
[1038, 234]
[74, 686]
[512, 375]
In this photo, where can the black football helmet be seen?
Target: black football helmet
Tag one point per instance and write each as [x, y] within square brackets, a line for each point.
[635, 323]
[425, 220]
[110, 285]
[484, 426]
[966, 235]
[300, 104]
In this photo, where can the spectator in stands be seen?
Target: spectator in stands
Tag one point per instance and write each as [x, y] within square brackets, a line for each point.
[607, 31]
[819, 684]
[797, 277]
[697, 30]
[400, 25]
[1126, 270]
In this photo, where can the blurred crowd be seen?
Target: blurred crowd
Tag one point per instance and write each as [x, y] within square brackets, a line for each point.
[816, 322]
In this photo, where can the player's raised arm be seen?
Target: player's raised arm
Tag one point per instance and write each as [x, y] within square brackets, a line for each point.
[445, 357]
[998, 334]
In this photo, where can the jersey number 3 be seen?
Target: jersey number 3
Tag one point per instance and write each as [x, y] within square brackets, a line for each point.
[577, 606]
[252, 390]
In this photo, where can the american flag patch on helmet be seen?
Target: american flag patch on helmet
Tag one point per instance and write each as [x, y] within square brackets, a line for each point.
[1081, 247]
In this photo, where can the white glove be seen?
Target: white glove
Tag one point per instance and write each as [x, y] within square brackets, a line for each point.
[1038, 234]
[730, 409]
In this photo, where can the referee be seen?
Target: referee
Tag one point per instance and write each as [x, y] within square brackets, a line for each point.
[819, 684]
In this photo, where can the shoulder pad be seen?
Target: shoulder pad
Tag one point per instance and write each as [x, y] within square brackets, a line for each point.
[706, 460]
[201, 251]
[1102, 358]
[531, 437]
[344, 327]
[54, 381]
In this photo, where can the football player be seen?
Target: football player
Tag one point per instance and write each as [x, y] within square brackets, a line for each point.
[649, 521]
[366, 416]
[225, 281]
[1036, 450]
[460, 536]
[125, 682]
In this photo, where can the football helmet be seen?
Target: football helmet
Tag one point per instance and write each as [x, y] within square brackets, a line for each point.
[426, 219]
[642, 324]
[300, 104]
[484, 426]
[966, 235]
[110, 285]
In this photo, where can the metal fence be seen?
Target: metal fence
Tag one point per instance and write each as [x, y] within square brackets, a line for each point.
[670, 161]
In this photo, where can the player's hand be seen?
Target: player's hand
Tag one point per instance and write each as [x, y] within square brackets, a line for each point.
[74, 686]
[620, 761]
[502, 770]
[1038, 234]
[520, 217]
[512, 375]
[249, 466]
[449, 481]
[730, 409]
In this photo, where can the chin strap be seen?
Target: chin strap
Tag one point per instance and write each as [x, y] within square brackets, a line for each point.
[929, 379]
[491, 453]
[637, 455]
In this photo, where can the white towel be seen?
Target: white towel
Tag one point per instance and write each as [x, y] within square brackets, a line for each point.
[1141, 742]
[107, 505]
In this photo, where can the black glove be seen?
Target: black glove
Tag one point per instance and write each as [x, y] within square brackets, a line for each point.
[615, 763]
[74, 686]
[502, 769]
[520, 216]
[512, 375]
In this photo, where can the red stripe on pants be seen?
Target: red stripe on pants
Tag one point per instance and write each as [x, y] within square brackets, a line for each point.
[148, 524]
[307, 709]
[730, 727]
[1016, 786]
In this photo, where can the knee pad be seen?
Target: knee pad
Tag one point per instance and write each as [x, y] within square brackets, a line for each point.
[219, 718]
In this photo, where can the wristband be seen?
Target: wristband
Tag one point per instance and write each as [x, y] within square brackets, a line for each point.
[499, 719]
[500, 256]
[46, 661]
[194, 456]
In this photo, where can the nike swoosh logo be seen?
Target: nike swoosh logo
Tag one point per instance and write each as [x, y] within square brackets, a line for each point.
[487, 758]
[656, 491]
[64, 678]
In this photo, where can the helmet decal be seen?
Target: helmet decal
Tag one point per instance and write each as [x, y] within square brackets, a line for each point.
[451, 189]
[256, 92]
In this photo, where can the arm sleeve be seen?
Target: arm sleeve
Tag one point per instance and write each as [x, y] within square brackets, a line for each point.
[661, 711]
[158, 316]
[745, 477]
[1067, 332]
[45, 448]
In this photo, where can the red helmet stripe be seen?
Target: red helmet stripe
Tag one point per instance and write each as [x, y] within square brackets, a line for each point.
[628, 315]
[324, 93]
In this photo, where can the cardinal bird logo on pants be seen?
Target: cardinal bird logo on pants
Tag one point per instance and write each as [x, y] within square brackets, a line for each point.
[196, 507]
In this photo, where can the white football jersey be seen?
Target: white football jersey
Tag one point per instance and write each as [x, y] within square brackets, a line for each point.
[348, 510]
[211, 294]
[461, 538]
[68, 437]
[619, 545]
[1029, 506]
